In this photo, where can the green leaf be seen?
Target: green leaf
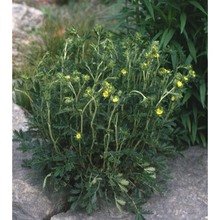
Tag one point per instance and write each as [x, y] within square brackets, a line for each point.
[192, 49]
[194, 131]
[123, 189]
[182, 22]
[186, 121]
[94, 199]
[139, 216]
[186, 97]
[150, 8]
[74, 205]
[89, 208]
[195, 113]
[120, 201]
[203, 139]
[167, 36]
[118, 206]
[75, 191]
[157, 35]
[202, 91]
[197, 5]
[124, 182]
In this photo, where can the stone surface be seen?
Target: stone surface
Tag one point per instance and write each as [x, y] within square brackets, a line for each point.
[25, 21]
[26, 18]
[105, 214]
[30, 200]
[187, 198]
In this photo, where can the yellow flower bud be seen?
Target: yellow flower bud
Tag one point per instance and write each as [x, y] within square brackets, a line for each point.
[186, 78]
[173, 98]
[67, 77]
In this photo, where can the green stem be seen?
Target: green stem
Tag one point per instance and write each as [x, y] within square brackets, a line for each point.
[49, 127]
[18, 90]
[164, 95]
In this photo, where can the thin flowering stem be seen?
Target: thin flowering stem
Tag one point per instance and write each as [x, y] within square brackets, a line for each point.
[49, 128]
[73, 90]
[107, 136]
[136, 91]
[164, 95]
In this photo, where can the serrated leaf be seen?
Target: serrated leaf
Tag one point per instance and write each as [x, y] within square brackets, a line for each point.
[124, 182]
[73, 206]
[118, 206]
[120, 201]
[75, 191]
[94, 199]
[182, 22]
[123, 189]
[89, 208]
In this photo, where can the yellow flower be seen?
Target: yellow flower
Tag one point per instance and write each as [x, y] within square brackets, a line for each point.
[173, 98]
[115, 99]
[186, 78]
[159, 111]
[124, 72]
[78, 136]
[179, 84]
[67, 77]
[105, 94]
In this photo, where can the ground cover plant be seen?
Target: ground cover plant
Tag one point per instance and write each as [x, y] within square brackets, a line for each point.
[101, 118]
[181, 27]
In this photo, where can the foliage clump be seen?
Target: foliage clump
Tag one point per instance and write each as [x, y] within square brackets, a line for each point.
[101, 118]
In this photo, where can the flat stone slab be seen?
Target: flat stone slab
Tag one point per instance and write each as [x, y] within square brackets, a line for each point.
[187, 198]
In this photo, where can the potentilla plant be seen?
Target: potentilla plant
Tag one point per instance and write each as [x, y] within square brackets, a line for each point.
[101, 119]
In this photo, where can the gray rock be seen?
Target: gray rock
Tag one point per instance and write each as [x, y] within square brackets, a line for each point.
[30, 200]
[25, 21]
[19, 120]
[29, 203]
[106, 214]
[187, 197]
[26, 18]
